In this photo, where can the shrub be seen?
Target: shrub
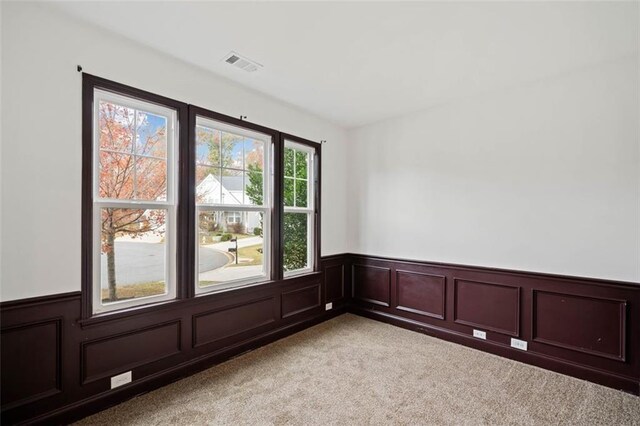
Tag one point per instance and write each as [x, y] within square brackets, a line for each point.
[236, 228]
[226, 237]
[295, 241]
[257, 231]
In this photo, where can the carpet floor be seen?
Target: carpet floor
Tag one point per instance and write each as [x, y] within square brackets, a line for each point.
[352, 370]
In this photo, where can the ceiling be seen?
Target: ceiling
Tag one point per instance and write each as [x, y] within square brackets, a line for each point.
[359, 62]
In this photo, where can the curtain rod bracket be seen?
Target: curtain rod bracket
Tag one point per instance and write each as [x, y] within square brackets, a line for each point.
[79, 68]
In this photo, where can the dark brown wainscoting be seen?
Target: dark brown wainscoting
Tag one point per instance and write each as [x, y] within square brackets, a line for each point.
[585, 328]
[57, 368]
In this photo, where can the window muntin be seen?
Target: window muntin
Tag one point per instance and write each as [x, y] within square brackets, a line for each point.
[233, 205]
[134, 208]
[299, 208]
[227, 159]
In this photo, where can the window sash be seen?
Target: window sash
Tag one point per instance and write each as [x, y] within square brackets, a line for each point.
[172, 136]
[169, 261]
[266, 254]
[310, 178]
[267, 166]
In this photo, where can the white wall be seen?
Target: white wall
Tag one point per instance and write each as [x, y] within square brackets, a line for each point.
[41, 138]
[543, 177]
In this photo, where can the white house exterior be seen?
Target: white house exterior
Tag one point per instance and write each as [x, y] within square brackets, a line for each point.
[229, 191]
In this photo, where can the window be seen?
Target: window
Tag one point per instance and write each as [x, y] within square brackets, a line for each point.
[234, 217]
[134, 202]
[179, 201]
[233, 205]
[299, 208]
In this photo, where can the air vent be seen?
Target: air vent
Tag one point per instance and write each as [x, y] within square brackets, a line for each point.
[242, 62]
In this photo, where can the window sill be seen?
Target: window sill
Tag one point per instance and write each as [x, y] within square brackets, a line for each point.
[232, 287]
[104, 317]
[301, 275]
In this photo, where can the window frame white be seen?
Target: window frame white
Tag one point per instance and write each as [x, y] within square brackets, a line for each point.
[266, 208]
[310, 210]
[170, 204]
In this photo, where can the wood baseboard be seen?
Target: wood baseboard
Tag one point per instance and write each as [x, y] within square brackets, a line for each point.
[605, 378]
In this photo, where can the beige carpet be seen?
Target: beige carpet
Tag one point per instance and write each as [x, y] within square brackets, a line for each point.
[352, 370]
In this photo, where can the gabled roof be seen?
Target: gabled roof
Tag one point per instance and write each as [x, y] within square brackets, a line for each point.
[211, 191]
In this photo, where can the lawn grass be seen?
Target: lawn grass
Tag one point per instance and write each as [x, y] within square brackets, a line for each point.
[249, 253]
[132, 291]
[242, 236]
[208, 238]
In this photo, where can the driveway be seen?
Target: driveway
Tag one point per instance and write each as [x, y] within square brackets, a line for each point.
[140, 262]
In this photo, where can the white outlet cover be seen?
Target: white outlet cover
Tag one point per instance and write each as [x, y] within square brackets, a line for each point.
[328, 306]
[120, 379]
[519, 344]
[480, 334]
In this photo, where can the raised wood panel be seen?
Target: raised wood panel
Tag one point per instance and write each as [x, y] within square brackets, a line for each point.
[590, 325]
[31, 362]
[487, 306]
[334, 282]
[111, 355]
[420, 293]
[372, 284]
[212, 326]
[300, 300]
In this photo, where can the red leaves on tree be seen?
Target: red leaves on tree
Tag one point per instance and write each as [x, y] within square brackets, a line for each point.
[133, 166]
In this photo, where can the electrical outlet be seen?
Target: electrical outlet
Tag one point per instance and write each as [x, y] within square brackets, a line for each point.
[480, 334]
[519, 344]
[120, 379]
[328, 306]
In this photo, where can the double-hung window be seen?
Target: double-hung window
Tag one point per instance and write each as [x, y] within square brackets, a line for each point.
[233, 194]
[299, 208]
[134, 201]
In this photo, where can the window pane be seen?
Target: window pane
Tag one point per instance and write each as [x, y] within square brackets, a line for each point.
[289, 192]
[253, 186]
[301, 193]
[232, 186]
[254, 153]
[207, 146]
[289, 157]
[151, 137]
[295, 241]
[151, 179]
[133, 254]
[232, 151]
[207, 185]
[116, 175]
[116, 126]
[219, 264]
[301, 164]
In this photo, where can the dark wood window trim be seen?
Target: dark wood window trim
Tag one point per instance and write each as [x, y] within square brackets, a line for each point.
[185, 245]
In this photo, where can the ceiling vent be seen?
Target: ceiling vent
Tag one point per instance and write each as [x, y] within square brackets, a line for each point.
[241, 62]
